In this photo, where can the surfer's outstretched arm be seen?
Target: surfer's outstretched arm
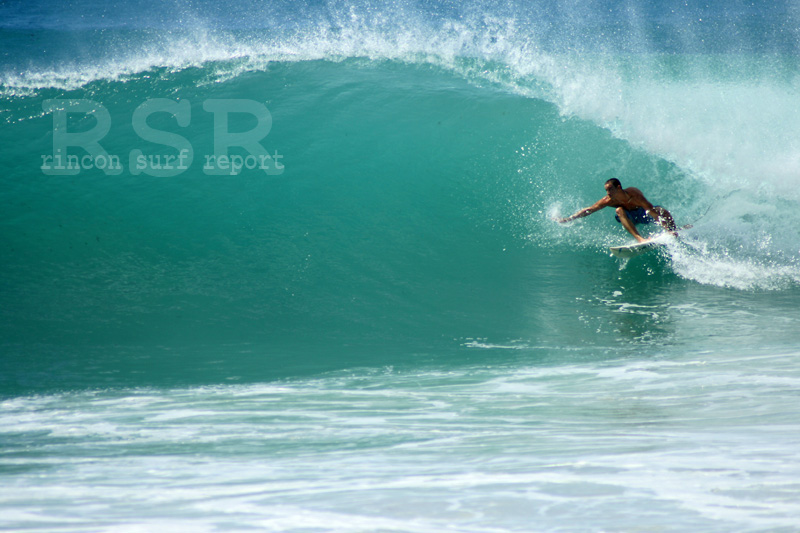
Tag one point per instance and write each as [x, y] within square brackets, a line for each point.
[580, 214]
[586, 211]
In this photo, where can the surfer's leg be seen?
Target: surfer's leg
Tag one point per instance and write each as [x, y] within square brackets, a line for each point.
[663, 217]
[627, 223]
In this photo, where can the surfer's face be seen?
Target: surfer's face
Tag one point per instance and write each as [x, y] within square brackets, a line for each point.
[610, 189]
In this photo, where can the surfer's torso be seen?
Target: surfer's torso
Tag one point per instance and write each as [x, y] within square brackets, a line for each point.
[629, 199]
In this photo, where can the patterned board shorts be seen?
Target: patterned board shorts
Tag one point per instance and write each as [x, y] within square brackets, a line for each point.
[638, 216]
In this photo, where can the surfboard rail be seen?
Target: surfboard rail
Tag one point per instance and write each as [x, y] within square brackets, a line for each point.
[632, 250]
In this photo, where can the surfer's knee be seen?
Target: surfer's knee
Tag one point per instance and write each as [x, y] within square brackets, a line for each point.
[665, 217]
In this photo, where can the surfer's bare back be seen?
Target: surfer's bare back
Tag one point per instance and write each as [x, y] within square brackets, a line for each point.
[632, 208]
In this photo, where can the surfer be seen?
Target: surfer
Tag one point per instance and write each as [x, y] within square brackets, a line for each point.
[632, 208]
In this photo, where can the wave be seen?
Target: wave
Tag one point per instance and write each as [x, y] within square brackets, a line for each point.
[426, 149]
[710, 133]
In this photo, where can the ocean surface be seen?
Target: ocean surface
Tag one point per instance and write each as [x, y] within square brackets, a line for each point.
[293, 266]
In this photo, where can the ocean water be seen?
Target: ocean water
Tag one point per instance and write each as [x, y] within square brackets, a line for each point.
[302, 274]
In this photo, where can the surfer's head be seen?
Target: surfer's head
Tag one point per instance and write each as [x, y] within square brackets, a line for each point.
[612, 185]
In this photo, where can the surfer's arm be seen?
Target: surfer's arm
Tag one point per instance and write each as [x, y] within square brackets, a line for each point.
[586, 211]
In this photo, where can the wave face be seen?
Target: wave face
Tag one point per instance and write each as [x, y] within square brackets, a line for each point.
[425, 148]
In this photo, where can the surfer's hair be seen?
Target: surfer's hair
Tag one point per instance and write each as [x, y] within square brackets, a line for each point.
[615, 182]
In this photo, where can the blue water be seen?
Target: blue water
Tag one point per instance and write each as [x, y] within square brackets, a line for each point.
[383, 329]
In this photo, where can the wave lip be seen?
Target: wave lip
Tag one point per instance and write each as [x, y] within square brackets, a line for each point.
[722, 116]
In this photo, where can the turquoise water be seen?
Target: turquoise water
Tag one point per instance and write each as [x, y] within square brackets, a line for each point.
[389, 332]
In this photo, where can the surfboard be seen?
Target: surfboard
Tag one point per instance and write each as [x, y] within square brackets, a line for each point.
[632, 250]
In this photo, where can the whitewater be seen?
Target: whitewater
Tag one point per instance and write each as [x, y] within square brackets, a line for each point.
[304, 274]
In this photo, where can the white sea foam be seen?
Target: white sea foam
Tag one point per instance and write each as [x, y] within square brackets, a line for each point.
[613, 443]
